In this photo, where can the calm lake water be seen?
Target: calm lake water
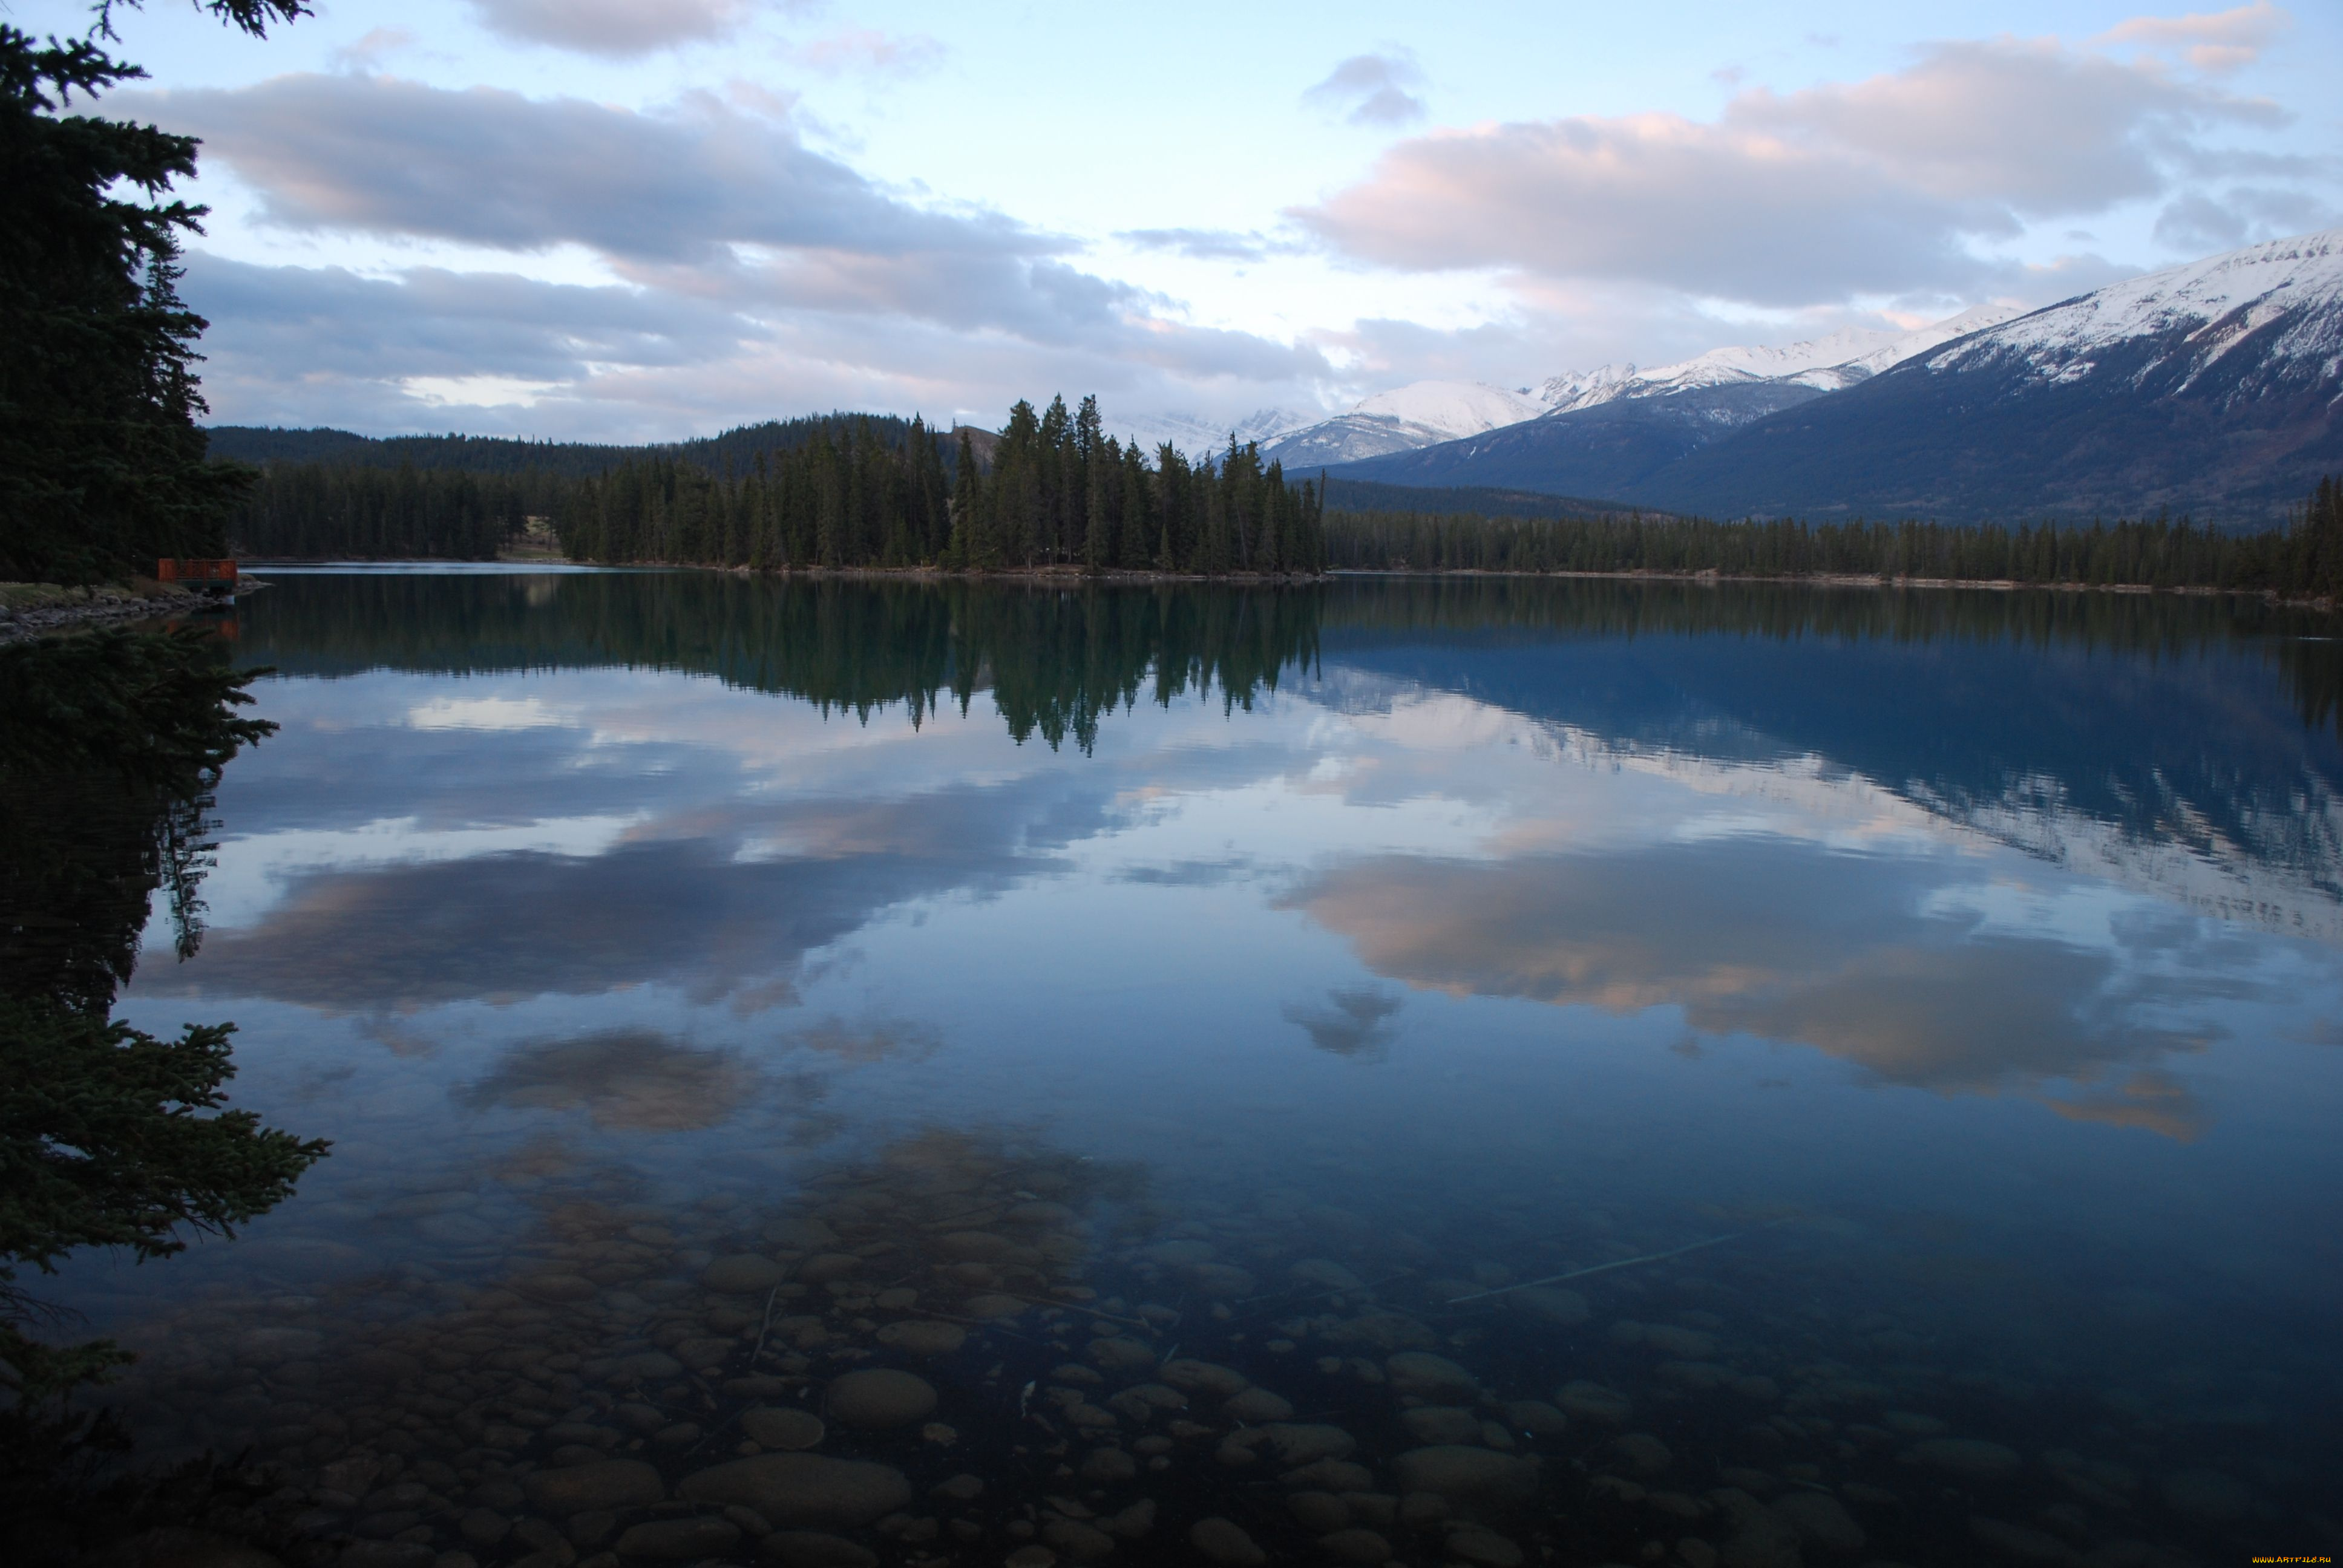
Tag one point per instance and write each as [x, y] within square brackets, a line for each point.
[1165, 1023]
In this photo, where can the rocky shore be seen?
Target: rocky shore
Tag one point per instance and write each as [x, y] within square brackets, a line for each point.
[33, 609]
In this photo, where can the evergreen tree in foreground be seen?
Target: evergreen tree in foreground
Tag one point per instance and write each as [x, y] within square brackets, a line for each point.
[101, 464]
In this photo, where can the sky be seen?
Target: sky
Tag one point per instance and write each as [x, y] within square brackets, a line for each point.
[648, 219]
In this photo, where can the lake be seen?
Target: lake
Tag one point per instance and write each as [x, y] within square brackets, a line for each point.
[1445, 1071]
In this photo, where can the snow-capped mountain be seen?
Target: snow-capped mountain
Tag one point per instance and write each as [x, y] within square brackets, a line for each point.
[2281, 301]
[2213, 389]
[1421, 414]
[1827, 363]
[1427, 413]
[1200, 437]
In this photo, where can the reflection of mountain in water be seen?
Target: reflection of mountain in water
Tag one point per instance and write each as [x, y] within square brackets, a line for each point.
[2154, 740]
[2162, 738]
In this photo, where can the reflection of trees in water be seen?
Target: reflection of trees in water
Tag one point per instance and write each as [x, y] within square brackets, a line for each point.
[113, 748]
[2314, 669]
[2137, 622]
[1056, 658]
[1053, 660]
[2125, 707]
[110, 1137]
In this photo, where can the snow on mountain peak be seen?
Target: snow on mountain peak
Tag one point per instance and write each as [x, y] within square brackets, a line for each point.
[1202, 436]
[2300, 278]
[1828, 363]
[1453, 408]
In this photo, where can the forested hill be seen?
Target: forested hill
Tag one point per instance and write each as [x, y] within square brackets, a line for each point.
[1050, 489]
[1480, 501]
[1059, 493]
[734, 451]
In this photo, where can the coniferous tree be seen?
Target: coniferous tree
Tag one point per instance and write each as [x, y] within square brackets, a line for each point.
[102, 467]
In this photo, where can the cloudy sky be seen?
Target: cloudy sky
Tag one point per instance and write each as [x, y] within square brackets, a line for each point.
[650, 218]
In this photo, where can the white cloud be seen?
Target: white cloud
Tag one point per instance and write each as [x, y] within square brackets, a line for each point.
[2215, 42]
[1872, 187]
[869, 49]
[616, 28]
[1371, 89]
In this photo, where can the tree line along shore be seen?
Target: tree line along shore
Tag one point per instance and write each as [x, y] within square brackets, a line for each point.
[1054, 493]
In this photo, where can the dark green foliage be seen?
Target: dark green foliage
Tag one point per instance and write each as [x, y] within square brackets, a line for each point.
[2305, 561]
[1372, 496]
[2315, 568]
[102, 1145]
[1060, 493]
[316, 511]
[101, 466]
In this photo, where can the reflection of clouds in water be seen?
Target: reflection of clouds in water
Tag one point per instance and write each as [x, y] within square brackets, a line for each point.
[630, 1079]
[1772, 940]
[2151, 1100]
[1356, 1020]
[884, 1041]
[677, 903]
[1188, 873]
[484, 713]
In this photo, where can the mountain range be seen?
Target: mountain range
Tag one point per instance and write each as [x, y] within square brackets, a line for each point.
[2209, 389]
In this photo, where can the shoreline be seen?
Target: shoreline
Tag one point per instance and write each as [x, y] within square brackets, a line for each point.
[28, 610]
[1076, 576]
[31, 609]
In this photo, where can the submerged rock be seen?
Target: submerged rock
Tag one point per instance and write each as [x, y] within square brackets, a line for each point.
[1645, 1453]
[1382, 1332]
[742, 1273]
[1485, 1548]
[1082, 1542]
[1224, 1542]
[1204, 1377]
[1300, 1445]
[879, 1398]
[1256, 1405]
[1593, 1402]
[1684, 1344]
[1324, 1273]
[1422, 1375]
[801, 1234]
[783, 1428]
[1963, 1456]
[1471, 1475]
[607, 1483]
[923, 1337]
[1320, 1512]
[1821, 1521]
[803, 1488]
[1331, 1475]
[679, 1539]
[811, 1549]
[1356, 1545]
[1442, 1423]
[1535, 1417]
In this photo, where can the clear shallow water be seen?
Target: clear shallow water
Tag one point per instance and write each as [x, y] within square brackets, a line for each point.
[686, 968]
